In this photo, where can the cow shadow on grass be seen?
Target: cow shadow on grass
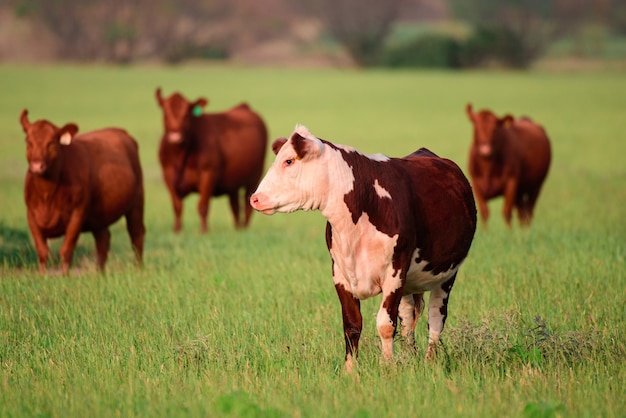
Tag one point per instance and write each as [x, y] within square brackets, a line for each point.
[18, 252]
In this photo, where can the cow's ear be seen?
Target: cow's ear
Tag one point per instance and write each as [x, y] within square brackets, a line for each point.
[24, 120]
[159, 97]
[507, 121]
[469, 111]
[278, 144]
[66, 133]
[198, 107]
[306, 147]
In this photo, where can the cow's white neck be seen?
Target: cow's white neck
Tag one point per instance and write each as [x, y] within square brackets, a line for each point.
[340, 182]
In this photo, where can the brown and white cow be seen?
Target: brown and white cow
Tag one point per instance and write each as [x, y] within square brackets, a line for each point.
[81, 183]
[400, 226]
[508, 157]
[212, 154]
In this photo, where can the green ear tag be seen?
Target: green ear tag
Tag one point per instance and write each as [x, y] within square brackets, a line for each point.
[197, 111]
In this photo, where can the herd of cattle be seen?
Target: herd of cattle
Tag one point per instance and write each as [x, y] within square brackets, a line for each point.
[396, 226]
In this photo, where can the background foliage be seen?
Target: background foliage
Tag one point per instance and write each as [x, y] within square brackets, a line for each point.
[509, 33]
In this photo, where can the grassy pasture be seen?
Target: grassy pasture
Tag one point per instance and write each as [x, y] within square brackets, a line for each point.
[247, 323]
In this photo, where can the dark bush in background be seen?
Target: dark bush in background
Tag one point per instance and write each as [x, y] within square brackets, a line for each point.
[485, 47]
[488, 47]
[427, 51]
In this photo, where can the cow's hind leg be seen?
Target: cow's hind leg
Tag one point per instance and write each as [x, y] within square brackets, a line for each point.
[437, 314]
[527, 206]
[177, 201]
[247, 207]
[137, 231]
[411, 307]
[523, 213]
[233, 199]
[103, 243]
[352, 324]
[483, 209]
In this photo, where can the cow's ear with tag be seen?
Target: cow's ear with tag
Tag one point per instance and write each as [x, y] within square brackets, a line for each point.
[66, 133]
[198, 107]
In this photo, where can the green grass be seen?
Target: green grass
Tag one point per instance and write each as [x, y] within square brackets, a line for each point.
[248, 323]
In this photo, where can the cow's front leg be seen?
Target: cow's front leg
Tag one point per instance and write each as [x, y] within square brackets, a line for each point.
[41, 245]
[72, 232]
[206, 191]
[411, 307]
[352, 323]
[170, 177]
[437, 314]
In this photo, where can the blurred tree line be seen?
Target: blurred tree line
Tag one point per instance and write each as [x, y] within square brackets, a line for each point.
[510, 33]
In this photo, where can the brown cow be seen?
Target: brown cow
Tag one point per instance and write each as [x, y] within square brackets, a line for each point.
[80, 183]
[508, 157]
[212, 154]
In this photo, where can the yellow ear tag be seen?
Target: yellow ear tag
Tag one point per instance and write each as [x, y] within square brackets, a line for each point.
[65, 139]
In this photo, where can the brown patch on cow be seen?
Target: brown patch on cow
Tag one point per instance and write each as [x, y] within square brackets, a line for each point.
[392, 304]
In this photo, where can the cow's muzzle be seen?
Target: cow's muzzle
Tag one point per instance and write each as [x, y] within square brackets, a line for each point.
[174, 137]
[260, 202]
[484, 151]
[37, 167]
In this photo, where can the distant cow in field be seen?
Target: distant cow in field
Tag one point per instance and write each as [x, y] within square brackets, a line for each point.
[212, 154]
[81, 183]
[508, 157]
[400, 226]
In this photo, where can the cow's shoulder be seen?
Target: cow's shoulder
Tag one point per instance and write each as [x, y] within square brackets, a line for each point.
[422, 152]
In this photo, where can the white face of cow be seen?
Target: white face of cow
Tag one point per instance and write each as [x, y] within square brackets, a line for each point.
[299, 178]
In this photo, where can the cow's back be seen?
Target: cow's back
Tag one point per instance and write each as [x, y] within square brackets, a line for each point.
[114, 173]
[240, 135]
[444, 208]
[531, 144]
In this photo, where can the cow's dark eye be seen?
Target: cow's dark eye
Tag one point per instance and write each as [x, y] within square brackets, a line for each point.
[288, 162]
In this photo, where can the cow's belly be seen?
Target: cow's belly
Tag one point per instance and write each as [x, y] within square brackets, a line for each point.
[419, 280]
[489, 186]
[364, 278]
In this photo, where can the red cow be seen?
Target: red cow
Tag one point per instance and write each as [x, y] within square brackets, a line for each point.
[509, 157]
[396, 226]
[212, 154]
[81, 183]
